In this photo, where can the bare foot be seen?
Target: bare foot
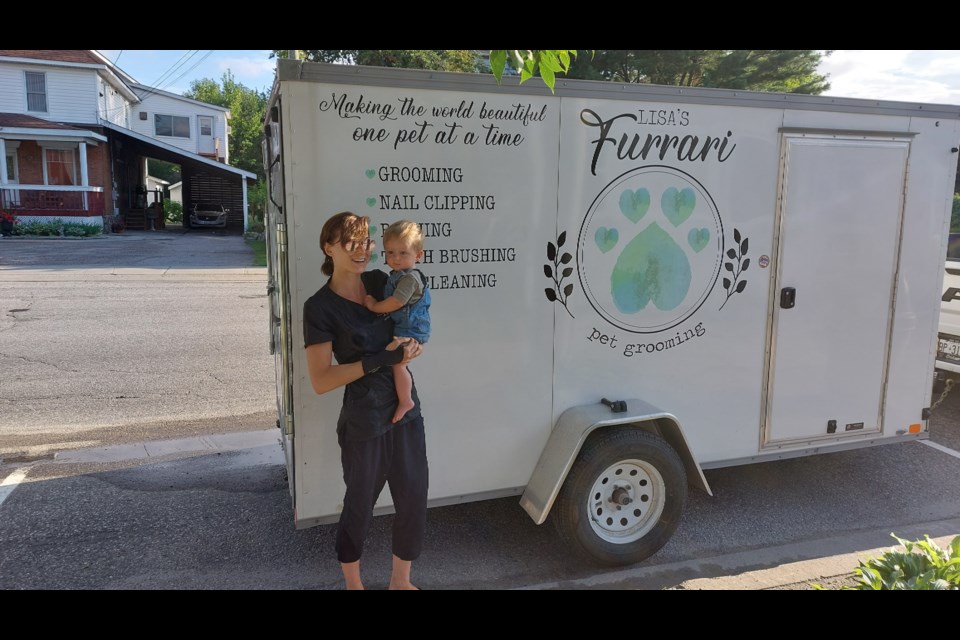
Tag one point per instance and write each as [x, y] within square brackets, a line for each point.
[403, 587]
[402, 409]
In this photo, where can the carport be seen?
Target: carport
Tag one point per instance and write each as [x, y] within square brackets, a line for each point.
[203, 179]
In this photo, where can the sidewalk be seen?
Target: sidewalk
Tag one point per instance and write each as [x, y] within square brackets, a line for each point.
[128, 274]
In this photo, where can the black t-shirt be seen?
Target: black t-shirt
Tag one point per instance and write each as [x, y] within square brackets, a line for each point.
[368, 403]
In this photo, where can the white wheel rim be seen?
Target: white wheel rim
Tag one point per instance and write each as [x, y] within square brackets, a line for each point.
[626, 501]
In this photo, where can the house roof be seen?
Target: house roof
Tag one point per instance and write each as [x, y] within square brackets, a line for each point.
[81, 58]
[23, 121]
[143, 91]
[18, 125]
[54, 55]
[175, 152]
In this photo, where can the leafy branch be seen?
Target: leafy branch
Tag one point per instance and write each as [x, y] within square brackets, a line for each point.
[558, 294]
[527, 61]
[736, 285]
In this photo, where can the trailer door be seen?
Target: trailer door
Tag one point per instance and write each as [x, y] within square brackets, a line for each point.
[841, 200]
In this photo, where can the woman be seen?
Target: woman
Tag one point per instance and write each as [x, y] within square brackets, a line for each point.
[373, 450]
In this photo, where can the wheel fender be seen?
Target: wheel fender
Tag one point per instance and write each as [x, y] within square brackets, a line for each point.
[571, 431]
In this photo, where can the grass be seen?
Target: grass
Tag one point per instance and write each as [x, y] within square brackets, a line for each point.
[259, 252]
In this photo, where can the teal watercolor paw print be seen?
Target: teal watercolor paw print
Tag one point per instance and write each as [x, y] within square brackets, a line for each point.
[634, 204]
[651, 249]
[651, 268]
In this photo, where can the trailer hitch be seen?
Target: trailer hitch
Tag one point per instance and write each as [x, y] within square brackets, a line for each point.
[616, 406]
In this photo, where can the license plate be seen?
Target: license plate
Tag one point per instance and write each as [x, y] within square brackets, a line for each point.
[948, 350]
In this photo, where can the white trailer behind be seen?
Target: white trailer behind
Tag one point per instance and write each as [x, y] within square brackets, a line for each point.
[743, 277]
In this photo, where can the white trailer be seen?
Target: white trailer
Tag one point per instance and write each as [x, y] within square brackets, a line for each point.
[631, 283]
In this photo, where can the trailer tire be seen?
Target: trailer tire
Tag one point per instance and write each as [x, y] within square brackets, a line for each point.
[623, 497]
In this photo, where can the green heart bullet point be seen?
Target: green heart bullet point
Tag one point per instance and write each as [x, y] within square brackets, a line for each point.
[371, 202]
[370, 173]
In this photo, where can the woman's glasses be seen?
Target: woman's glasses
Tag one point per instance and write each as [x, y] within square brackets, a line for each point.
[351, 245]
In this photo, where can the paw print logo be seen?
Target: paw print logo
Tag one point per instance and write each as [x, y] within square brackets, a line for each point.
[650, 249]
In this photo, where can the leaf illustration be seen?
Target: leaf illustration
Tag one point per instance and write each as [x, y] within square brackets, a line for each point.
[560, 292]
[736, 266]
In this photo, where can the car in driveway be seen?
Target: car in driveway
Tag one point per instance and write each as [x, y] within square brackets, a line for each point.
[208, 214]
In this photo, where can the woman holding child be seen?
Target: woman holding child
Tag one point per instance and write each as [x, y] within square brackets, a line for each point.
[376, 446]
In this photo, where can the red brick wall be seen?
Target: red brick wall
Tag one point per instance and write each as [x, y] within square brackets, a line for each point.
[30, 164]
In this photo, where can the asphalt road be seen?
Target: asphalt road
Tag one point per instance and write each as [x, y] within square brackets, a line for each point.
[137, 451]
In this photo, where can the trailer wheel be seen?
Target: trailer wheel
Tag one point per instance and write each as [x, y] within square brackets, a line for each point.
[623, 497]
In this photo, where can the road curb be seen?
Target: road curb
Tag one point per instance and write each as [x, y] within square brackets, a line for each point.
[796, 565]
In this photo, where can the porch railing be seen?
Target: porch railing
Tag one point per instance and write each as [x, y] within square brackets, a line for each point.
[47, 200]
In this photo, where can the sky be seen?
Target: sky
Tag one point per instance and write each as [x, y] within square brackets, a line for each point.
[931, 76]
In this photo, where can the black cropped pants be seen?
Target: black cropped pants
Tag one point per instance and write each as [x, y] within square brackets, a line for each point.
[397, 458]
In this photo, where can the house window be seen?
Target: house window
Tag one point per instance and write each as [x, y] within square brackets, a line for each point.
[173, 126]
[13, 175]
[36, 91]
[60, 166]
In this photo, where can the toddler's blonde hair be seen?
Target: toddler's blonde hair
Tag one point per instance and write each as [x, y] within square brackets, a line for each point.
[405, 231]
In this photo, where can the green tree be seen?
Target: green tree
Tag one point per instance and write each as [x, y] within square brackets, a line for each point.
[527, 63]
[434, 59]
[787, 71]
[247, 110]
[164, 170]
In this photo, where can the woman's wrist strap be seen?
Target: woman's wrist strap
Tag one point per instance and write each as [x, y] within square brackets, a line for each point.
[383, 359]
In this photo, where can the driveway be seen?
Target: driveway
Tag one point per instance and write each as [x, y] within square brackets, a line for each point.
[173, 248]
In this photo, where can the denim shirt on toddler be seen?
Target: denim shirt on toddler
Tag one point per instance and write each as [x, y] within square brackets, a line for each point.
[412, 320]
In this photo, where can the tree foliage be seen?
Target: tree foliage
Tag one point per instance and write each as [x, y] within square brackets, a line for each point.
[787, 71]
[434, 59]
[247, 109]
[164, 170]
[526, 62]
[549, 62]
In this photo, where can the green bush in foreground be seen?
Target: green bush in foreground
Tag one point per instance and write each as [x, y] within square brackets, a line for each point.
[920, 566]
[57, 227]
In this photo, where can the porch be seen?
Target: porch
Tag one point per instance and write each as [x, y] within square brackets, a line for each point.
[49, 201]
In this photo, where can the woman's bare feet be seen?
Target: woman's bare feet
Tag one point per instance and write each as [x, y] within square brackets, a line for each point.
[400, 576]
